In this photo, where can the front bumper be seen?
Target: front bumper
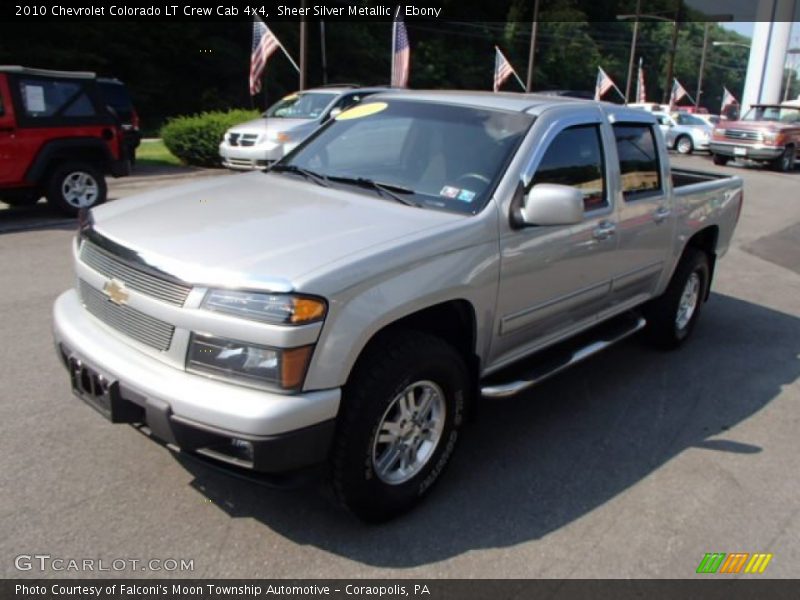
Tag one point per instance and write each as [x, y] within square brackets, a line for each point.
[195, 413]
[752, 151]
[250, 157]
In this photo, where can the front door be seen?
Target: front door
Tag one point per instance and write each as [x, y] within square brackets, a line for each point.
[554, 279]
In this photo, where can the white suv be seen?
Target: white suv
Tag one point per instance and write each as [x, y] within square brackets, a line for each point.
[258, 143]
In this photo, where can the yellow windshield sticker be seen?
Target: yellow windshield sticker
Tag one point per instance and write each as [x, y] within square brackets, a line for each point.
[290, 97]
[362, 110]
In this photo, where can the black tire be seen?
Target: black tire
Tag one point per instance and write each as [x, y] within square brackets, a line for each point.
[392, 365]
[684, 145]
[58, 197]
[785, 163]
[720, 160]
[664, 329]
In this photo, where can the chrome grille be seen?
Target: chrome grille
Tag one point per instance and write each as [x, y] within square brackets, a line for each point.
[743, 135]
[233, 139]
[248, 139]
[111, 266]
[125, 319]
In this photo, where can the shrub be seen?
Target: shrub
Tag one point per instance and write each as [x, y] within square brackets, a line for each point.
[195, 139]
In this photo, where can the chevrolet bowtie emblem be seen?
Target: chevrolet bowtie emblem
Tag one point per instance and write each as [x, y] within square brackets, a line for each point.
[116, 291]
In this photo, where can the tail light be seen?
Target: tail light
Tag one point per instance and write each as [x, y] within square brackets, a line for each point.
[135, 119]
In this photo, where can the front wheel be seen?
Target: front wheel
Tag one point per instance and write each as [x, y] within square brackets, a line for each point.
[401, 417]
[684, 145]
[73, 186]
[785, 163]
[672, 316]
[720, 160]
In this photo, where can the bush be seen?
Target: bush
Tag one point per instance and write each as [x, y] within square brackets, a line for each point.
[195, 139]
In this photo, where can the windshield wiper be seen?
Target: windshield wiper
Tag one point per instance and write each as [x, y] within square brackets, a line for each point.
[310, 175]
[388, 190]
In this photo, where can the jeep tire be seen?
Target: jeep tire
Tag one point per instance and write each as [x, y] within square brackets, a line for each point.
[75, 185]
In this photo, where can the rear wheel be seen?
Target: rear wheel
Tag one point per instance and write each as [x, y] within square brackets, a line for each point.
[73, 186]
[720, 160]
[672, 316]
[785, 163]
[400, 419]
[684, 145]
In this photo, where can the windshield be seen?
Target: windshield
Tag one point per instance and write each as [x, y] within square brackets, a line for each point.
[782, 114]
[687, 119]
[440, 156]
[300, 106]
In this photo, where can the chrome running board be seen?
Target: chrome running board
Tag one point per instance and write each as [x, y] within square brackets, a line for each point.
[545, 364]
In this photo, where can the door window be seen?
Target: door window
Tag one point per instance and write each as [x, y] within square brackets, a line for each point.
[638, 160]
[43, 98]
[575, 158]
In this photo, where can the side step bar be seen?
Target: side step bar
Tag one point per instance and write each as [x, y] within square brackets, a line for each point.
[547, 363]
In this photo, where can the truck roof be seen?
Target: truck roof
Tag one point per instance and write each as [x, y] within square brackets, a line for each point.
[510, 101]
[46, 72]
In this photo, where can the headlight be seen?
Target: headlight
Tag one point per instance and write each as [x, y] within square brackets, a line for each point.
[720, 131]
[243, 361]
[773, 137]
[280, 136]
[287, 309]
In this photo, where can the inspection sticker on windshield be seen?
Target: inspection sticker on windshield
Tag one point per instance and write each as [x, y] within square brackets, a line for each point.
[362, 110]
[466, 195]
[449, 191]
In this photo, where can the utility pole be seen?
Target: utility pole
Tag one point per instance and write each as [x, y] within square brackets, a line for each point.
[532, 52]
[673, 48]
[324, 54]
[633, 51]
[303, 35]
[702, 67]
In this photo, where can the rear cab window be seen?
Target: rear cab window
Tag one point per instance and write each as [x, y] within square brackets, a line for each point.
[640, 167]
[47, 98]
[575, 158]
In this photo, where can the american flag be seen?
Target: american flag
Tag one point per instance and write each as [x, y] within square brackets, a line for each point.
[641, 93]
[678, 92]
[264, 44]
[728, 99]
[401, 54]
[603, 84]
[502, 68]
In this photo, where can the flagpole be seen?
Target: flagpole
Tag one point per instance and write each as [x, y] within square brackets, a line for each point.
[522, 85]
[394, 42]
[291, 60]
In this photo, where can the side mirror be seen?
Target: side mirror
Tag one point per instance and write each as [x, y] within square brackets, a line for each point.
[552, 204]
[335, 112]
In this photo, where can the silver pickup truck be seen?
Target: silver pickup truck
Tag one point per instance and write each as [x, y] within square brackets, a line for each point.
[349, 306]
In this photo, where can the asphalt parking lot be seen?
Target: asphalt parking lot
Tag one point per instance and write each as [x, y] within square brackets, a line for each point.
[633, 464]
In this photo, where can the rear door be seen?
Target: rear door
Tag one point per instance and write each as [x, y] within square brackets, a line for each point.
[557, 279]
[646, 220]
[7, 135]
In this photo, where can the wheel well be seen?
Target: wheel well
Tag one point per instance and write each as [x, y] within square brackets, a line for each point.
[706, 240]
[92, 156]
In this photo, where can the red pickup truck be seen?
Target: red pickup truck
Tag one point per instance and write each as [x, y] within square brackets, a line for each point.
[58, 139]
[768, 133]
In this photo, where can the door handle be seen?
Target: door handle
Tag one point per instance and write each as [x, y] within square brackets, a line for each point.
[661, 213]
[604, 230]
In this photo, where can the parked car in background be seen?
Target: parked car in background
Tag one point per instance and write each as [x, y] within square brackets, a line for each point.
[683, 132]
[650, 106]
[767, 133]
[352, 304]
[118, 99]
[692, 110]
[712, 120]
[260, 142]
[57, 139]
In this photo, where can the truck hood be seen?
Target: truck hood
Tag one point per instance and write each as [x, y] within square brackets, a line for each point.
[260, 231]
[262, 125]
[757, 125]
